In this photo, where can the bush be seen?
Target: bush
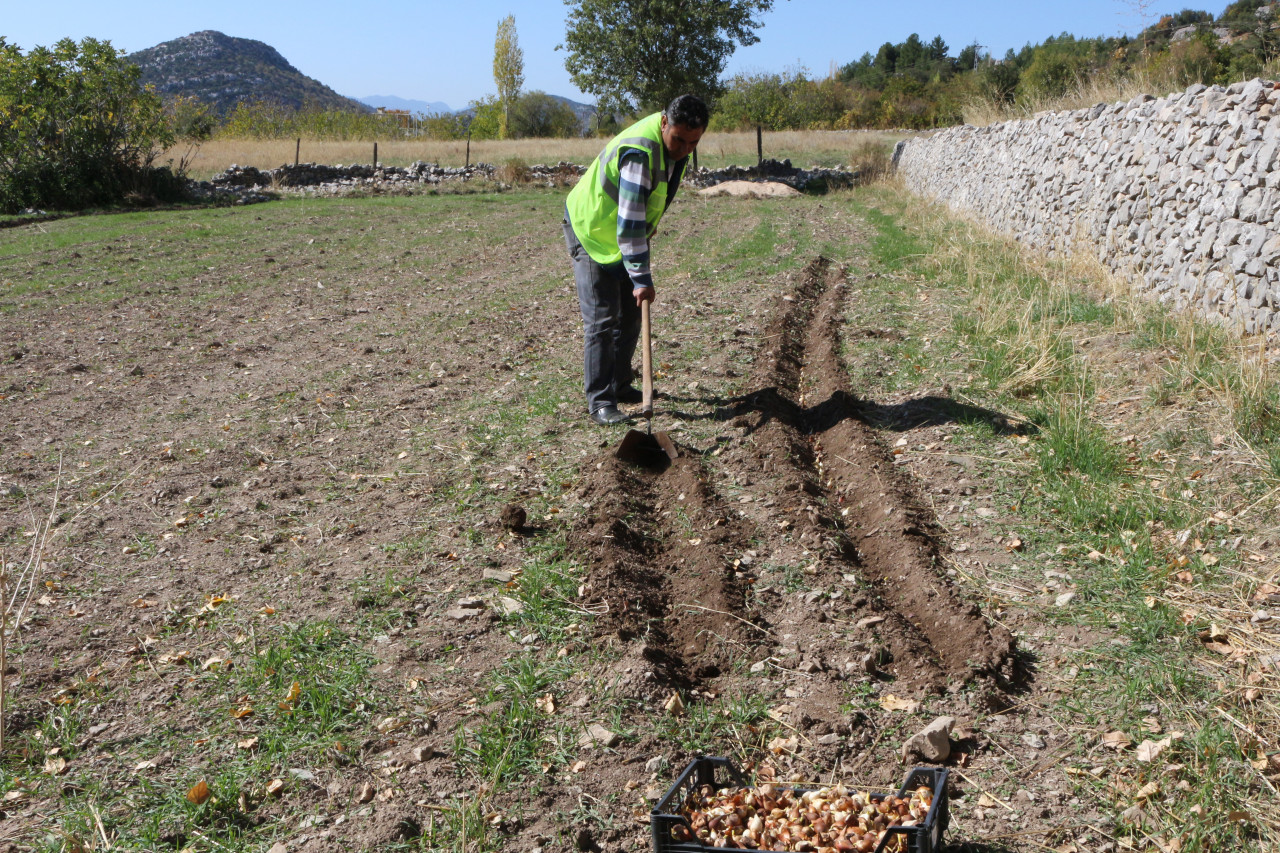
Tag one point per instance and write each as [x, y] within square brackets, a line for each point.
[273, 120]
[513, 171]
[77, 129]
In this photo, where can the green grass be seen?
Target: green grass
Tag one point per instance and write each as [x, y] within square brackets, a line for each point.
[1081, 490]
[318, 723]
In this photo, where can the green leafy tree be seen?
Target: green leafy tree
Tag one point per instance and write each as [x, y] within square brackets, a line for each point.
[508, 69]
[643, 53]
[999, 80]
[537, 114]
[77, 128]
[486, 118]
[1051, 74]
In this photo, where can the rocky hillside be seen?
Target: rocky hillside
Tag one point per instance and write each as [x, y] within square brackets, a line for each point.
[222, 70]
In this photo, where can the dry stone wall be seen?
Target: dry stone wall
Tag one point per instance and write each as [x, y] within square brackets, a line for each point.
[1180, 194]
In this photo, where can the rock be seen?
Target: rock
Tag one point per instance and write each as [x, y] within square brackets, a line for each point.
[759, 666]
[655, 764]
[1033, 740]
[1176, 194]
[932, 743]
[466, 608]
[1064, 599]
[499, 575]
[512, 517]
[509, 606]
[597, 734]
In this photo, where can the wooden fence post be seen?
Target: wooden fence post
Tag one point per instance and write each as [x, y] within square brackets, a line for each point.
[759, 147]
[375, 156]
[297, 151]
[468, 148]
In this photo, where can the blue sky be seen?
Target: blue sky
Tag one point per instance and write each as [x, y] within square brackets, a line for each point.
[443, 51]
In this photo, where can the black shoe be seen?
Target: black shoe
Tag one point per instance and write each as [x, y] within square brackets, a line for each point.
[609, 415]
[628, 394]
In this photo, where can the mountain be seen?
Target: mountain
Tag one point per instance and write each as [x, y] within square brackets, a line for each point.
[222, 70]
[393, 102]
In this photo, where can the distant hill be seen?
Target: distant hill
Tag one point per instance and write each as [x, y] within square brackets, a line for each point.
[392, 102]
[222, 70]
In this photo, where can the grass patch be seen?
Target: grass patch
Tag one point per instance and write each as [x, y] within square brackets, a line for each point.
[295, 697]
[1053, 344]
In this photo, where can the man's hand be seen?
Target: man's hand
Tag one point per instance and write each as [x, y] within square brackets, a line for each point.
[643, 294]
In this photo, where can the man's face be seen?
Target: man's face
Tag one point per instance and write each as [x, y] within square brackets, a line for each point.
[680, 140]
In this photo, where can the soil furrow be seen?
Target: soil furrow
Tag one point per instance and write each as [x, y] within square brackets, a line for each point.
[662, 546]
[898, 549]
[665, 546]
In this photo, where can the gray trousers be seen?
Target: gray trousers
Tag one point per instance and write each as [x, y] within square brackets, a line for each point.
[610, 324]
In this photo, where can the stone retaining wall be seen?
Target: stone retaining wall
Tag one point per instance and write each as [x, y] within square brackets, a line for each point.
[335, 180]
[1178, 193]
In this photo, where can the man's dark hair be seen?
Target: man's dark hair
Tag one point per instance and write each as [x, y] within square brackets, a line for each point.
[688, 111]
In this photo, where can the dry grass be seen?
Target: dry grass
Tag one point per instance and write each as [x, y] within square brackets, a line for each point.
[816, 147]
[1095, 89]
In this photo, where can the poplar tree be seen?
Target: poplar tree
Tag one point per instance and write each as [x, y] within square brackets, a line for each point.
[508, 69]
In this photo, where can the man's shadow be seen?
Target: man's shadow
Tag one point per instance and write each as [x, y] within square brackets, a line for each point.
[757, 409]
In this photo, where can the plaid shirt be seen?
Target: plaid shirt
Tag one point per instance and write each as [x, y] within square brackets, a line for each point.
[634, 183]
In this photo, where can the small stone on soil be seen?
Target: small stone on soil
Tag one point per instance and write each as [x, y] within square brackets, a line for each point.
[598, 734]
[932, 743]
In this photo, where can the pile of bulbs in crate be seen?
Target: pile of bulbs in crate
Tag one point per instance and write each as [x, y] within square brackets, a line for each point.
[770, 817]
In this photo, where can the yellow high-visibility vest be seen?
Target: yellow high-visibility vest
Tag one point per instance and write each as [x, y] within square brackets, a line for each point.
[593, 203]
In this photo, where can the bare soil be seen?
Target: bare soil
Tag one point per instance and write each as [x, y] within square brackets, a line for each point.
[249, 449]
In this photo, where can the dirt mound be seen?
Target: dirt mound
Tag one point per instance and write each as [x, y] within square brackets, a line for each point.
[675, 565]
[751, 189]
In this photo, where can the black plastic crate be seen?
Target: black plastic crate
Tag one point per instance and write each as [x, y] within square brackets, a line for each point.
[925, 837]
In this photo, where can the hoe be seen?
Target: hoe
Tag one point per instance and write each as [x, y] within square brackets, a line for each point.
[646, 448]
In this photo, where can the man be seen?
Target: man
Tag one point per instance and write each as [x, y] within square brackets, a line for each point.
[609, 219]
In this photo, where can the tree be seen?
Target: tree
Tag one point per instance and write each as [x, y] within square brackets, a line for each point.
[508, 68]
[643, 53]
[537, 114]
[486, 118]
[77, 128]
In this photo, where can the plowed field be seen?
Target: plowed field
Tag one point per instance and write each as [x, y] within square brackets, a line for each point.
[263, 477]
